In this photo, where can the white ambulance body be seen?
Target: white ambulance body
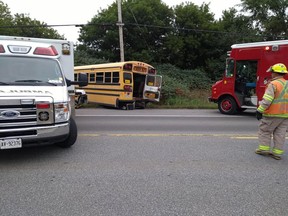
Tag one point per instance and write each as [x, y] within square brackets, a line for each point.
[35, 81]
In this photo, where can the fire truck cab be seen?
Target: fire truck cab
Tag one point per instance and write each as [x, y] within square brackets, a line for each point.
[245, 77]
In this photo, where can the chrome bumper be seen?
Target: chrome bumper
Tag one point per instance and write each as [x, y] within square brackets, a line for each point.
[38, 135]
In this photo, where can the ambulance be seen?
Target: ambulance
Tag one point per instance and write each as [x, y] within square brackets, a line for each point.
[245, 77]
[36, 92]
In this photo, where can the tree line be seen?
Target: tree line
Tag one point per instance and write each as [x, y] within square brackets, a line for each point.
[186, 42]
[187, 36]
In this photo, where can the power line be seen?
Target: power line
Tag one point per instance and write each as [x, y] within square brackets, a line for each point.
[61, 25]
[131, 24]
[109, 24]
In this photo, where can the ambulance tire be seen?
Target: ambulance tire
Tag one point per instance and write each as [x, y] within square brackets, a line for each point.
[72, 137]
[227, 105]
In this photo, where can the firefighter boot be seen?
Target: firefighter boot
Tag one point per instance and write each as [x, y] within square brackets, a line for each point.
[277, 153]
[275, 156]
[262, 152]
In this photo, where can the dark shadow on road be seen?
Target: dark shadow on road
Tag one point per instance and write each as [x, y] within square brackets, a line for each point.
[247, 112]
[251, 113]
[36, 153]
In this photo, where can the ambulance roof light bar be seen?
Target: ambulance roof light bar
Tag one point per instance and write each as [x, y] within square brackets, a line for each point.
[2, 50]
[48, 51]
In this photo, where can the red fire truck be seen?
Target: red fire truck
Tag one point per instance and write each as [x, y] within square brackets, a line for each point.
[245, 76]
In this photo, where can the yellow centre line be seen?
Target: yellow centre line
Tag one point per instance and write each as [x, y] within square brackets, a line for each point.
[232, 136]
[89, 135]
[252, 137]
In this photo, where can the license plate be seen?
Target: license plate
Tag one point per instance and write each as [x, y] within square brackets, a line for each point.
[10, 143]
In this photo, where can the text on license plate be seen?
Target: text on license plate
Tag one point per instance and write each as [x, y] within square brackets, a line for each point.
[10, 143]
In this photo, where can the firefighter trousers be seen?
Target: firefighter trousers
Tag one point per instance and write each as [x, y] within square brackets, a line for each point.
[273, 127]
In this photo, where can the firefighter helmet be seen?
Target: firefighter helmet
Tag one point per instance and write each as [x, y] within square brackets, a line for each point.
[278, 68]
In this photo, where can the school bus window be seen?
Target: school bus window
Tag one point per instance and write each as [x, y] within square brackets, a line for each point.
[115, 78]
[99, 77]
[108, 77]
[127, 78]
[92, 77]
[158, 81]
[150, 81]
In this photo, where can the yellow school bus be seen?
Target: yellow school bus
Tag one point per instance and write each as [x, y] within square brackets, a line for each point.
[124, 85]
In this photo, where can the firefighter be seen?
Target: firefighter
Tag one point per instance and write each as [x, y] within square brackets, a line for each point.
[273, 112]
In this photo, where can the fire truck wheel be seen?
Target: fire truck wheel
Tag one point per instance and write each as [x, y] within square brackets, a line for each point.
[72, 137]
[227, 105]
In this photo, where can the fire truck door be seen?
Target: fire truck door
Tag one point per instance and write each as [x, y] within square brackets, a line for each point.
[262, 79]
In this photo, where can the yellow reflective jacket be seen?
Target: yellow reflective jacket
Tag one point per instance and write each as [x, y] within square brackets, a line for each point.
[275, 99]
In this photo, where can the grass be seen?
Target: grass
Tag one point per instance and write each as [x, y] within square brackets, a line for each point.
[197, 99]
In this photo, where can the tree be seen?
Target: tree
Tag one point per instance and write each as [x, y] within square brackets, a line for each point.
[270, 17]
[191, 43]
[145, 28]
[6, 19]
[27, 27]
[83, 58]
[149, 24]
[233, 27]
[237, 27]
[22, 25]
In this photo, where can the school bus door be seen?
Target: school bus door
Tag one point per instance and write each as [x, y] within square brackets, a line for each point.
[152, 87]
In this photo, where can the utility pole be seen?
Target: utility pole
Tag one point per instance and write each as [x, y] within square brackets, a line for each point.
[120, 24]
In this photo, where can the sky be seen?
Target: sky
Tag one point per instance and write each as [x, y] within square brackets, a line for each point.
[62, 12]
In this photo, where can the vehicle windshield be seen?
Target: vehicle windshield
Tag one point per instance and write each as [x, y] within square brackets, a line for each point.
[27, 71]
[229, 72]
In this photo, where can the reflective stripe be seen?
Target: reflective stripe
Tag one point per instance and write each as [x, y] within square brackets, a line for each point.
[276, 115]
[281, 81]
[278, 151]
[268, 97]
[279, 105]
[264, 147]
[261, 109]
[282, 97]
[283, 100]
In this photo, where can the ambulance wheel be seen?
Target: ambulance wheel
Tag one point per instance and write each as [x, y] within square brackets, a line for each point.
[227, 105]
[72, 137]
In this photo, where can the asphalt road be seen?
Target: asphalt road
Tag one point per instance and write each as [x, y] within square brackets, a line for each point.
[147, 162]
[165, 121]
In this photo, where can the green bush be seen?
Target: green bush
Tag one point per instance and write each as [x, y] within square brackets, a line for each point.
[178, 85]
[83, 58]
